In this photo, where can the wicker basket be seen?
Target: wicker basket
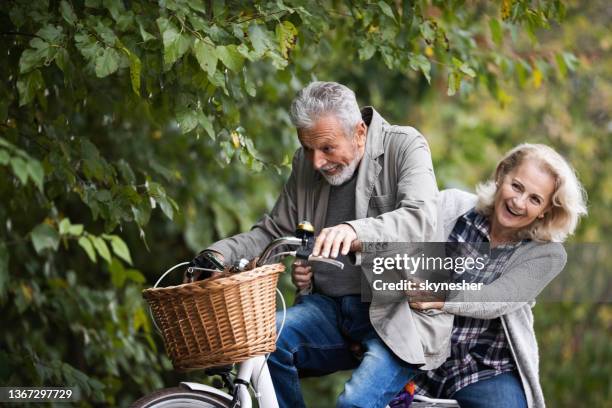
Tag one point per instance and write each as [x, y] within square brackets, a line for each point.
[218, 321]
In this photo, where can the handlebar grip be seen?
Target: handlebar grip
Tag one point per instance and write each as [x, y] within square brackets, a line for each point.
[333, 262]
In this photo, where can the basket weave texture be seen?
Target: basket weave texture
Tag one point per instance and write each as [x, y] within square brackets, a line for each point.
[217, 321]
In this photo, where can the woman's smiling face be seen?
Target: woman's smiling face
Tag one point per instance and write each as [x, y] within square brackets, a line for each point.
[523, 195]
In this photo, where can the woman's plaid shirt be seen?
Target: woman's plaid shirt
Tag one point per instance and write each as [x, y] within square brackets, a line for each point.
[479, 349]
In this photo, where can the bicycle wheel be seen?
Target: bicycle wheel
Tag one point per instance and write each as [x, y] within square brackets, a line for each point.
[178, 397]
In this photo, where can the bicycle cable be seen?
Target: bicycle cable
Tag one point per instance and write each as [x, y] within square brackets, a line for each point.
[157, 283]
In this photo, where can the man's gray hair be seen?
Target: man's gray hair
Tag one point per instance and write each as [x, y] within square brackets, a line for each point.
[320, 99]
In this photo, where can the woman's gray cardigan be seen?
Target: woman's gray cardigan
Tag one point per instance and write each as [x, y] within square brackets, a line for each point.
[511, 297]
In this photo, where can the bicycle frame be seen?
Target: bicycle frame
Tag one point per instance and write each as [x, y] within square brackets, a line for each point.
[253, 371]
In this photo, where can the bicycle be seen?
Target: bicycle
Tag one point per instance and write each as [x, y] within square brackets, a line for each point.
[252, 373]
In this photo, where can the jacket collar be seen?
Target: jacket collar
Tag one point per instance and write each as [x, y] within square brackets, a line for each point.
[374, 141]
[369, 168]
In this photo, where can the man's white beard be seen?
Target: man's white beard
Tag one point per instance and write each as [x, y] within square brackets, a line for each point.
[345, 174]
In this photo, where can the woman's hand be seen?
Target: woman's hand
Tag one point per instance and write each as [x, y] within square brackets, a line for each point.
[426, 305]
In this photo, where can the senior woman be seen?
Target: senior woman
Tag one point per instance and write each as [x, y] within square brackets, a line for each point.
[532, 205]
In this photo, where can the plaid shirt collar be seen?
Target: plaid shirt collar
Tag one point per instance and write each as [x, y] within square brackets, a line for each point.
[478, 226]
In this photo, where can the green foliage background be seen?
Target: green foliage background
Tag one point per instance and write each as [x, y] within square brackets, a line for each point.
[135, 133]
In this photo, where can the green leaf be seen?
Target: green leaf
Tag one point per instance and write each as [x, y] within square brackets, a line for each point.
[366, 51]
[167, 206]
[89, 249]
[286, 34]
[126, 171]
[64, 225]
[50, 33]
[454, 83]
[43, 236]
[561, 65]
[106, 33]
[570, 61]
[230, 57]
[66, 228]
[420, 62]
[187, 119]
[135, 68]
[386, 9]
[206, 123]
[120, 248]
[88, 46]
[101, 247]
[68, 12]
[134, 275]
[496, 31]
[62, 59]
[206, 54]
[4, 268]
[142, 212]
[428, 31]
[159, 195]
[243, 49]
[75, 230]
[175, 43]
[146, 36]
[20, 169]
[36, 172]
[117, 272]
[522, 71]
[4, 157]
[28, 85]
[107, 62]
[260, 39]
[34, 57]
[466, 69]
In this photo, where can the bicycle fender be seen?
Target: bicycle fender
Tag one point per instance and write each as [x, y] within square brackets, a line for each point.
[194, 386]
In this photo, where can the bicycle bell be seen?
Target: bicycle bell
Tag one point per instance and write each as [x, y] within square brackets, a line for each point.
[305, 231]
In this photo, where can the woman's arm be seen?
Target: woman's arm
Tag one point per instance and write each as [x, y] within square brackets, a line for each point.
[532, 270]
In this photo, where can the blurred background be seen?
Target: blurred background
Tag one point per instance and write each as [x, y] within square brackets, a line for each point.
[133, 135]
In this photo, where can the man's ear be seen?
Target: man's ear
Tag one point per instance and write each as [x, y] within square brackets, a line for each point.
[361, 132]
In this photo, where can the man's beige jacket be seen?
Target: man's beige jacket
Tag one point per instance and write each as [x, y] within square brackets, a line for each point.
[395, 201]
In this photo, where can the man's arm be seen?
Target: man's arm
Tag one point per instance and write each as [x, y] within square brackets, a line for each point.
[279, 222]
[414, 220]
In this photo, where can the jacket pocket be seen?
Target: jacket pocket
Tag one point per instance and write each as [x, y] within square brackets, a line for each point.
[381, 204]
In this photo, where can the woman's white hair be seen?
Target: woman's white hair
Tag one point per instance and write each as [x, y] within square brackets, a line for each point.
[568, 201]
[320, 99]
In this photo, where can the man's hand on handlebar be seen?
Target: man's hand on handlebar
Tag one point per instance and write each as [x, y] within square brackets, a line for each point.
[339, 239]
[301, 274]
[208, 260]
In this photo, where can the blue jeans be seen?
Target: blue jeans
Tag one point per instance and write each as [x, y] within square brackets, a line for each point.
[315, 340]
[502, 391]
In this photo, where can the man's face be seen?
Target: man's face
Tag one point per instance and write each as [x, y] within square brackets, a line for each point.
[330, 151]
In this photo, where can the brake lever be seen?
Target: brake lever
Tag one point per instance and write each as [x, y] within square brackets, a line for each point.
[330, 261]
[311, 258]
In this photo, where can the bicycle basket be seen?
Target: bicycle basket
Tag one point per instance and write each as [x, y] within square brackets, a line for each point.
[217, 321]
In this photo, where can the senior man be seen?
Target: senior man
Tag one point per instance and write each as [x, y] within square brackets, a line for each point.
[358, 180]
